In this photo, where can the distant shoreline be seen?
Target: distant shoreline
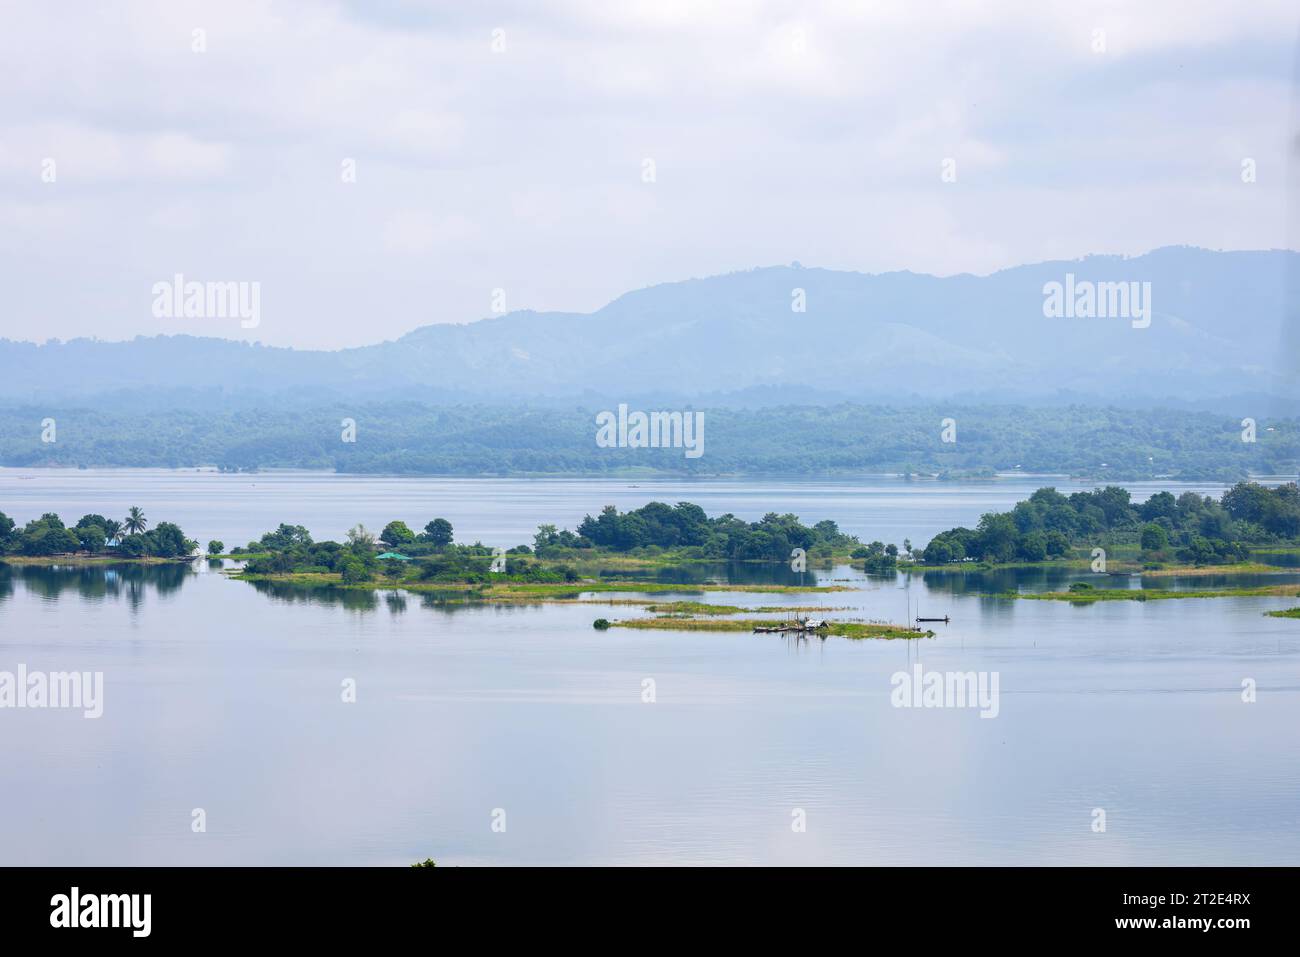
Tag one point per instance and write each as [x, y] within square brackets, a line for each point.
[833, 478]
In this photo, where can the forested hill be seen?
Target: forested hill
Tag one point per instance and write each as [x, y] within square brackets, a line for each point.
[807, 440]
[1215, 326]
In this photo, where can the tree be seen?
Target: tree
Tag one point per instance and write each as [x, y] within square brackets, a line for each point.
[1033, 547]
[938, 552]
[168, 541]
[998, 537]
[91, 538]
[286, 537]
[359, 535]
[92, 519]
[396, 533]
[216, 547]
[135, 523]
[438, 532]
[1199, 552]
[354, 573]
[827, 531]
[112, 530]
[47, 536]
[1160, 505]
[1154, 538]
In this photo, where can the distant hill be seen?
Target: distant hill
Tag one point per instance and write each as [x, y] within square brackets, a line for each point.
[1105, 444]
[1218, 328]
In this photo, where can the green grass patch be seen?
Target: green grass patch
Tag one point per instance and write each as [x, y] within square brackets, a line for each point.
[1286, 613]
[1155, 594]
[855, 630]
[693, 608]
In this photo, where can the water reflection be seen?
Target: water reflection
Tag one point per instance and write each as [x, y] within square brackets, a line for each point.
[1201, 582]
[1000, 581]
[1280, 559]
[125, 581]
[132, 583]
[292, 593]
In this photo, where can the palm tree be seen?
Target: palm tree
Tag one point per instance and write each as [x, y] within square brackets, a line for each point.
[112, 529]
[135, 522]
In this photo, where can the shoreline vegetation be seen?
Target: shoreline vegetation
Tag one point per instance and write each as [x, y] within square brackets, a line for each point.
[849, 438]
[609, 552]
[653, 549]
[94, 539]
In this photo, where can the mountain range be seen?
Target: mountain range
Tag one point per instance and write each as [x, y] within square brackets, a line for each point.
[1220, 325]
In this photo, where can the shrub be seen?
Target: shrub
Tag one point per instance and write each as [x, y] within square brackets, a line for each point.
[354, 573]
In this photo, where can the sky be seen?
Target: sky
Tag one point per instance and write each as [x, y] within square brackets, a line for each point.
[378, 166]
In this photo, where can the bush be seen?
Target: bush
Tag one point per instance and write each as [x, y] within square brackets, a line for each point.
[600, 624]
[354, 573]
[216, 547]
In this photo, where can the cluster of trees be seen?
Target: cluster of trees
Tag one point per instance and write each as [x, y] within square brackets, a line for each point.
[685, 526]
[879, 559]
[415, 438]
[354, 562]
[1265, 514]
[435, 556]
[94, 535]
[1193, 528]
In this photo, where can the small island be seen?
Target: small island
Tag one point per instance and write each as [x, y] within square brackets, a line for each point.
[94, 539]
[661, 548]
[613, 552]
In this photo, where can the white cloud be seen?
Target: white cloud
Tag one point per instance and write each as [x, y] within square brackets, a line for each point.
[780, 131]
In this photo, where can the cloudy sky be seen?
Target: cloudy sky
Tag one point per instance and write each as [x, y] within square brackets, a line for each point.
[509, 146]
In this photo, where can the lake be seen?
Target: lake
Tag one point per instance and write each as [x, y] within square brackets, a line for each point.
[226, 697]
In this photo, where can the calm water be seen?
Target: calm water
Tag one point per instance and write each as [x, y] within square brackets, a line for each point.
[223, 696]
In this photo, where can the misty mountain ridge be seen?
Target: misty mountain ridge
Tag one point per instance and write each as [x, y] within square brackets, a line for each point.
[1218, 328]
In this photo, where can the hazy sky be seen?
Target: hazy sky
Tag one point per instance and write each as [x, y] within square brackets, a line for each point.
[777, 131]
